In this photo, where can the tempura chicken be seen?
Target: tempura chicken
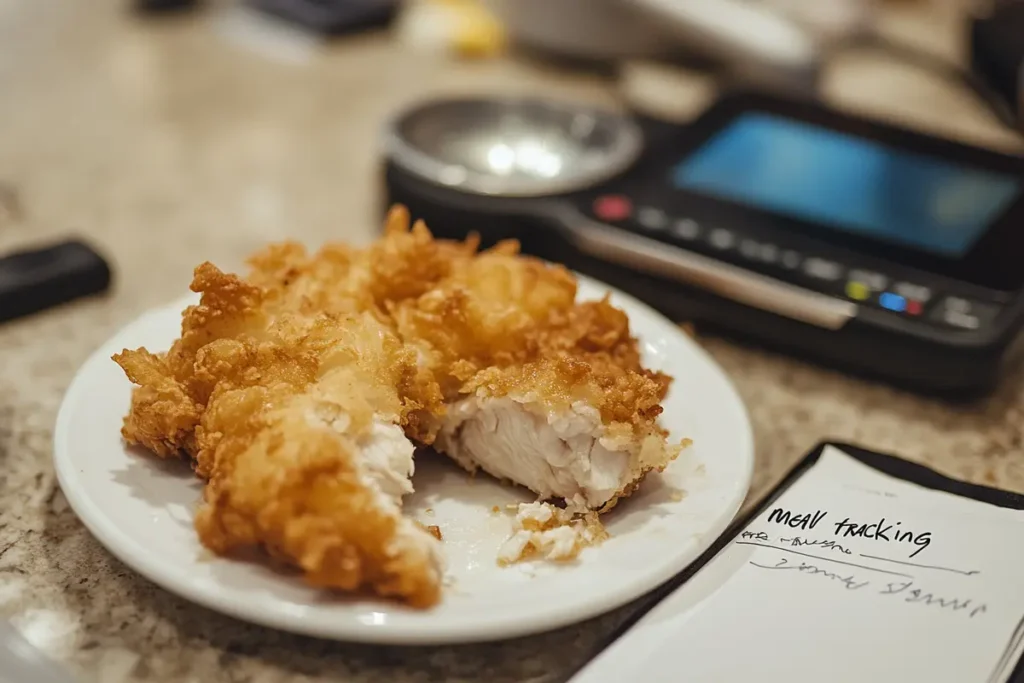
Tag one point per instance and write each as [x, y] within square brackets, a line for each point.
[300, 392]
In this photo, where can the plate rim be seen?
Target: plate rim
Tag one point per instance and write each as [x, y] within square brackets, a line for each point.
[130, 552]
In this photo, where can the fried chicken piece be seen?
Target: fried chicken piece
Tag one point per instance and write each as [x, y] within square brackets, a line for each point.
[298, 435]
[319, 492]
[540, 390]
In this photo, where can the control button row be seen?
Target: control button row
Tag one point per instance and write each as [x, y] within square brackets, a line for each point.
[858, 284]
[618, 208]
[754, 250]
[657, 220]
[902, 297]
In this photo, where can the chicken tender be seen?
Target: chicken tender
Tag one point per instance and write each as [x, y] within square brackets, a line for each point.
[295, 421]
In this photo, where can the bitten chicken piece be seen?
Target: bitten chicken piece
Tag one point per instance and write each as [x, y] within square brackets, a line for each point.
[320, 494]
[540, 390]
[296, 426]
[549, 426]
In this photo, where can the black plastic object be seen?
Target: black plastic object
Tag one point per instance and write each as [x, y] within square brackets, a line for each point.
[34, 280]
[162, 6]
[997, 55]
[330, 17]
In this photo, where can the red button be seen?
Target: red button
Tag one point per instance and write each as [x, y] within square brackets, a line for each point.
[613, 207]
[913, 307]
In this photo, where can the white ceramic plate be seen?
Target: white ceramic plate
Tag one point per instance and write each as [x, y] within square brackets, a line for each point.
[141, 509]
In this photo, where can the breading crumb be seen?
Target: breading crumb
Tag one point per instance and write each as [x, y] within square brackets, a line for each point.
[542, 530]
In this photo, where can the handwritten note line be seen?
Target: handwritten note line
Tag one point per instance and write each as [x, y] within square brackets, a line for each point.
[965, 572]
[824, 559]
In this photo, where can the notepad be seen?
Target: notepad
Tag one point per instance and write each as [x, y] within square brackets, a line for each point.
[849, 574]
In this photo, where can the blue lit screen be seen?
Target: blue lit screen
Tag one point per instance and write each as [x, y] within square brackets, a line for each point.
[848, 183]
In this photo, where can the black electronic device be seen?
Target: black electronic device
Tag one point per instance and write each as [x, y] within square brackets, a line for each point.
[37, 279]
[869, 247]
[330, 17]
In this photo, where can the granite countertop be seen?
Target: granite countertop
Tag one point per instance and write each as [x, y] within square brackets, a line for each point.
[165, 144]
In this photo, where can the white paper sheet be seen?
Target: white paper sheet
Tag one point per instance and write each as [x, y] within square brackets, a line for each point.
[851, 575]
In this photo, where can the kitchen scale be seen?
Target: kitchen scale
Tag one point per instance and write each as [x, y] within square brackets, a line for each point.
[871, 248]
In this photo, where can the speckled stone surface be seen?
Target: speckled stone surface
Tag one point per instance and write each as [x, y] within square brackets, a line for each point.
[165, 144]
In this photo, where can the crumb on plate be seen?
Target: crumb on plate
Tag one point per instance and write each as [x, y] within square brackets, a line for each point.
[545, 531]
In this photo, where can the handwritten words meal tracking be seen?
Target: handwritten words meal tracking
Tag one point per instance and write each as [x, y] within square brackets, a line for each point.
[847, 528]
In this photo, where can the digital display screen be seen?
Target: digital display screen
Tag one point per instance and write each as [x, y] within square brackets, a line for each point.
[849, 183]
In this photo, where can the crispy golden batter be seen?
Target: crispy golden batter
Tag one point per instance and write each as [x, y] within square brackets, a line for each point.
[287, 386]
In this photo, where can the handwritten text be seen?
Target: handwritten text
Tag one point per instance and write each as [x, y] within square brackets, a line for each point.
[881, 530]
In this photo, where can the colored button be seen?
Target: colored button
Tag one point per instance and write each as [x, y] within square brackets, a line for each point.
[822, 269]
[686, 228]
[857, 290]
[651, 218]
[962, 320]
[750, 248]
[892, 302]
[769, 253]
[914, 307]
[613, 207]
[720, 238]
[955, 303]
